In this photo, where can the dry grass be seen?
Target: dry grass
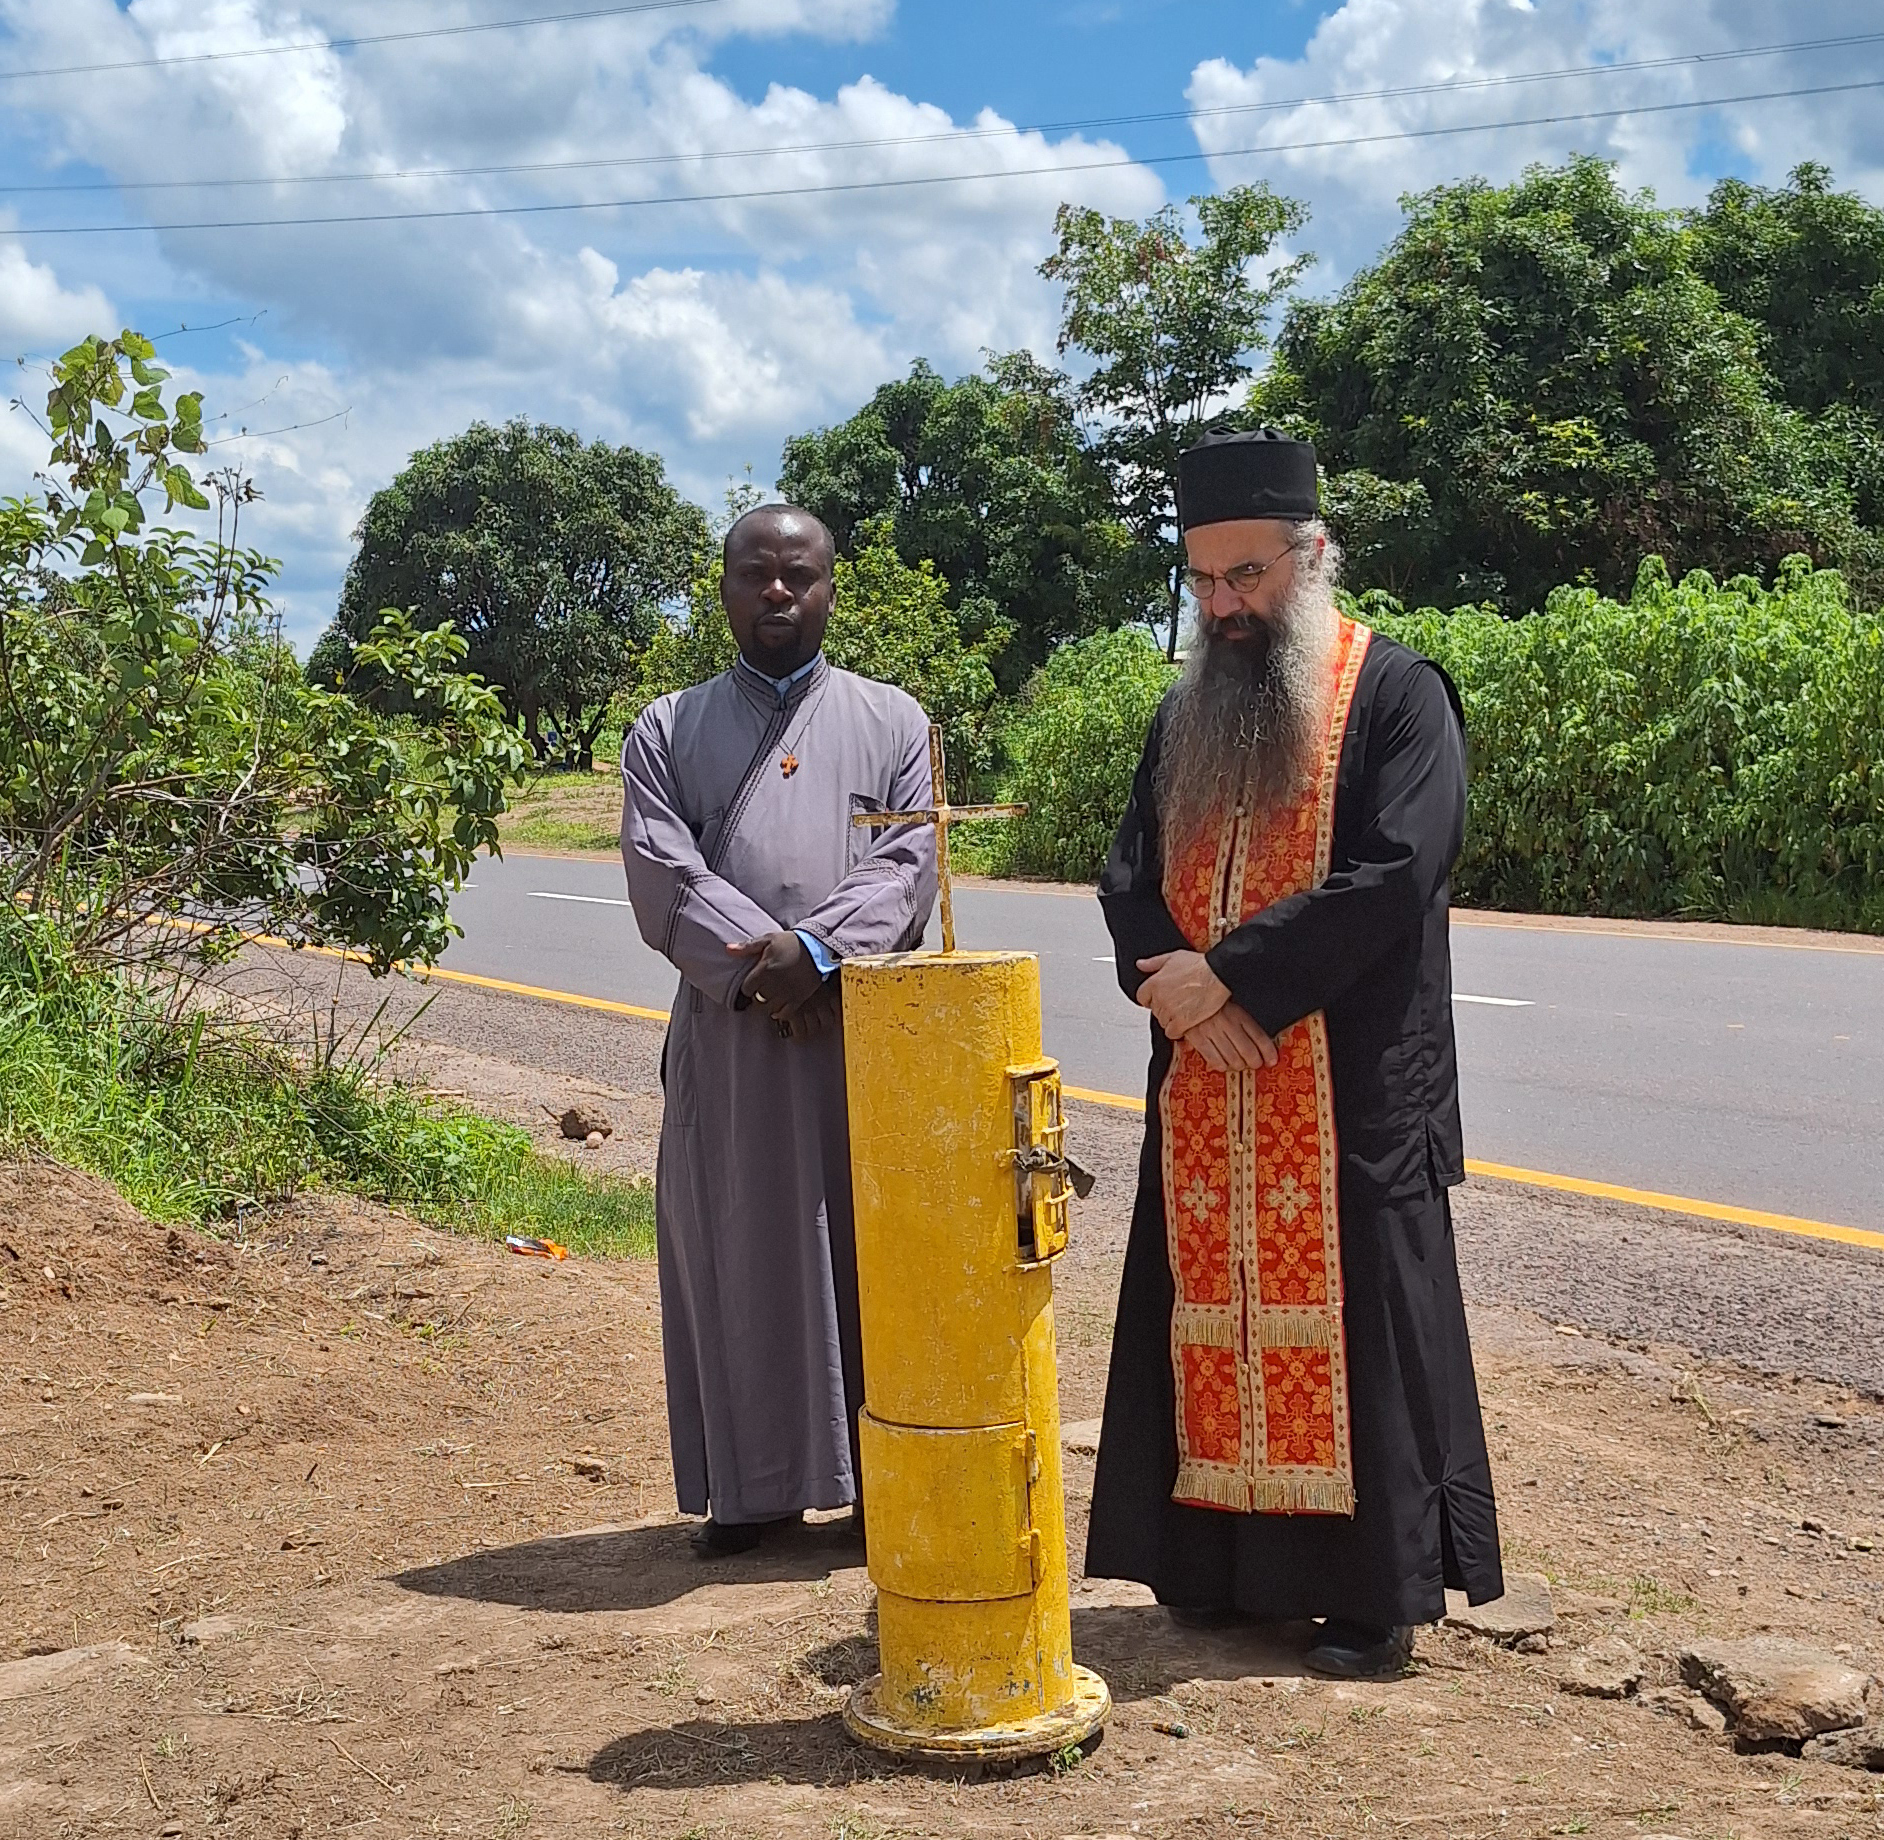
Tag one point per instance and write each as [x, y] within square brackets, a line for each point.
[565, 811]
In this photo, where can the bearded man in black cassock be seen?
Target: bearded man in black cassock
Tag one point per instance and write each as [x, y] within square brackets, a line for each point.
[1292, 1426]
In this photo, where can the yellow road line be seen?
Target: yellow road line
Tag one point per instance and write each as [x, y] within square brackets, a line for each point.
[1606, 1191]
[1118, 1100]
[547, 996]
[1502, 1172]
[1681, 1204]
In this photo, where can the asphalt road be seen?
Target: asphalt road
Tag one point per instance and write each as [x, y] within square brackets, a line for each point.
[1750, 1074]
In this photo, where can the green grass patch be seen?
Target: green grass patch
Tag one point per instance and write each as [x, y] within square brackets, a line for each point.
[564, 811]
[193, 1116]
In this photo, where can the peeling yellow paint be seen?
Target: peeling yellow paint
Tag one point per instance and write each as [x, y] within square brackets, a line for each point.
[963, 1502]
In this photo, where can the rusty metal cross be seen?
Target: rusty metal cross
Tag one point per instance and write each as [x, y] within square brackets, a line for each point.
[944, 817]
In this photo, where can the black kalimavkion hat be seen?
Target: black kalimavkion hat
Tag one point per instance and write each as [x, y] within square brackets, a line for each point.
[1261, 473]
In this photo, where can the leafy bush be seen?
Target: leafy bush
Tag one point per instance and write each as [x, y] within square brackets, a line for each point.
[1074, 744]
[1708, 750]
[161, 756]
[194, 1117]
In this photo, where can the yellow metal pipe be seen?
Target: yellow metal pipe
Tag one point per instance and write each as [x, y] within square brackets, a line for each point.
[961, 1207]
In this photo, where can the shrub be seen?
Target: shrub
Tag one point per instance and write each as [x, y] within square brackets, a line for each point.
[1074, 744]
[1703, 749]
[161, 756]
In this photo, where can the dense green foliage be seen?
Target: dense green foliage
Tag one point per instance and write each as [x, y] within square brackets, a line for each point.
[989, 479]
[194, 1118]
[1074, 743]
[1538, 384]
[1172, 329]
[1703, 750]
[1806, 265]
[162, 757]
[550, 556]
[889, 621]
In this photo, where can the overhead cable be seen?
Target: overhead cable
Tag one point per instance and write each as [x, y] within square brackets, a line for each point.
[1056, 171]
[358, 41]
[613, 161]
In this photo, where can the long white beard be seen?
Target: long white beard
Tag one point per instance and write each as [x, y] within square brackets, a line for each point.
[1249, 716]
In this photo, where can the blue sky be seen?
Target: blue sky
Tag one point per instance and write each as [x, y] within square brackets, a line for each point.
[709, 331]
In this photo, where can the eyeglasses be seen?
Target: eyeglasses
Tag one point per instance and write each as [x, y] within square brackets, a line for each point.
[1241, 580]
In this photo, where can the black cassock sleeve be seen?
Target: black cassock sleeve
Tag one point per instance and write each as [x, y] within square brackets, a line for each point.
[1303, 953]
[1131, 887]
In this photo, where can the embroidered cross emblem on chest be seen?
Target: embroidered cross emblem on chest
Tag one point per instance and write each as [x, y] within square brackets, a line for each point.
[788, 766]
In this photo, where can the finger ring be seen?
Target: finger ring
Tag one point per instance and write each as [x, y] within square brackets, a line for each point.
[758, 996]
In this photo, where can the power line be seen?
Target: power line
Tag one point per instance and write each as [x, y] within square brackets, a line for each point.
[520, 169]
[357, 42]
[901, 184]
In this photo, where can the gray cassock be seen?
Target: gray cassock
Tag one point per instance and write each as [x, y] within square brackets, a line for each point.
[736, 821]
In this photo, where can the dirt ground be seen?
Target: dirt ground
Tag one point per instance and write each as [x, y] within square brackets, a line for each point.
[352, 1527]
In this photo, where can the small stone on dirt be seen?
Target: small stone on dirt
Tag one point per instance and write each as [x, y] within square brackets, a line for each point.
[1081, 1437]
[1608, 1669]
[705, 1697]
[1862, 1749]
[1774, 1689]
[1690, 1708]
[1524, 1610]
[583, 1121]
[593, 1141]
[589, 1466]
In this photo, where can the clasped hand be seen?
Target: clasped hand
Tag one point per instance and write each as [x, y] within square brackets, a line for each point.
[786, 984]
[1193, 1005]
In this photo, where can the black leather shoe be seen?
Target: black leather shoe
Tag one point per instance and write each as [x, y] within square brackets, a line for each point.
[1191, 1616]
[1360, 1651]
[727, 1539]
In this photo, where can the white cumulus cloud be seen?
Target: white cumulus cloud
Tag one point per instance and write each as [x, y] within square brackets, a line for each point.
[1353, 159]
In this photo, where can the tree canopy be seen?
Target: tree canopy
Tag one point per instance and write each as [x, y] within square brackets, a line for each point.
[987, 478]
[1538, 383]
[1806, 265]
[1172, 329]
[551, 557]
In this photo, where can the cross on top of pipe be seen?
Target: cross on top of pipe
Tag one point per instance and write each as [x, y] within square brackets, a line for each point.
[944, 817]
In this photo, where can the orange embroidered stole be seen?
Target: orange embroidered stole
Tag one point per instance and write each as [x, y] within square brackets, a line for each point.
[1252, 1222]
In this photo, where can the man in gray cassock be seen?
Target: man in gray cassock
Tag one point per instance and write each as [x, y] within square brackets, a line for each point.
[746, 871]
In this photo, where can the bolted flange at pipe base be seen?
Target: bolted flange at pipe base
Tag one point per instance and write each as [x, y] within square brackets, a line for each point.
[1041, 1736]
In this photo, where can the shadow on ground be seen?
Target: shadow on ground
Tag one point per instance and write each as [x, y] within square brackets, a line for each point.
[1141, 1653]
[628, 1568]
[1139, 1650]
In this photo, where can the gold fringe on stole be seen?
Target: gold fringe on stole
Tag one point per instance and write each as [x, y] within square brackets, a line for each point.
[1215, 1483]
[1285, 1492]
[1203, 1326]
[1277, 1327]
